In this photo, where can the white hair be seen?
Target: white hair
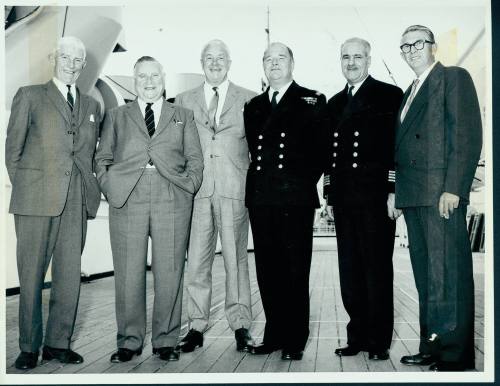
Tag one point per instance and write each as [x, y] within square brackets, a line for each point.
[363, 42]
[73, 42]
[215, 42]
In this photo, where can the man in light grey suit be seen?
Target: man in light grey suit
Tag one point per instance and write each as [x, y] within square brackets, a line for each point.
[219, 206]
[51, 140]
[149, 166]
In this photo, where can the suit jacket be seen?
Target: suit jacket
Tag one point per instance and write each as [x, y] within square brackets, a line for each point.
[361, 163]
[125, 148]
[438, 144]
[225, 151]
[44, 140]
[287, 147]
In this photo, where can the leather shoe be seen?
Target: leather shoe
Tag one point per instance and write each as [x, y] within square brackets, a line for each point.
[449, 366]
[292, 355]
[63, 355]
[347, 351]
[419, 359]
[192, 340]
[26, 360]
[263, 349]
[243, 339]
[167, 353]
[124, 355]
[378, 355]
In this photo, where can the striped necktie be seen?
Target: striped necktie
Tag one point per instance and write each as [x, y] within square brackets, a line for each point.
[149, 119]
[212, 109]
[410, 99]
[69, 97]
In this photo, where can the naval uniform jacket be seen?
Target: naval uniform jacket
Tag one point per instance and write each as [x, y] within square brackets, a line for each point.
[287, 148]
[361, 168]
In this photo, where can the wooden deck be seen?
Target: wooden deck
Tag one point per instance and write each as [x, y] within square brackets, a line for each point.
[95, 332]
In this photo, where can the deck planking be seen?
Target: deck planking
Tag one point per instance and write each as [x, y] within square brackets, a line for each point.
[95, 329]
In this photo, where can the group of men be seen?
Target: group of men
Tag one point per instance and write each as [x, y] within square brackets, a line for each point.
[220, 157]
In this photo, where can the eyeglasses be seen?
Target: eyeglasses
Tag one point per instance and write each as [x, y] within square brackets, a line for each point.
[66, 59]
[419, 45]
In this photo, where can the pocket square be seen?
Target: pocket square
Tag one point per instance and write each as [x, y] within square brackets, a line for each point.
[91, 119]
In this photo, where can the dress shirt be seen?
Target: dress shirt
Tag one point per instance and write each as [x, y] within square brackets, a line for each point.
[63, 89]
[356, 86]
[209, 93]
[421, 80]
[281, 91]
[156, 107]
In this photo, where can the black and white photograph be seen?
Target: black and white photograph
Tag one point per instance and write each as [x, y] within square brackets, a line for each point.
[247, 191]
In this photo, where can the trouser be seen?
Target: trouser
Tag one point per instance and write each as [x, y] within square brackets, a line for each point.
[442, 265]
[283, 247]
[229, 218]
[40, 239]
[365, 243]
[158, 209]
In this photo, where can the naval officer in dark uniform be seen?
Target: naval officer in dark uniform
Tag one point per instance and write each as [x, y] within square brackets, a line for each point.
[361, 194]
[286, 133]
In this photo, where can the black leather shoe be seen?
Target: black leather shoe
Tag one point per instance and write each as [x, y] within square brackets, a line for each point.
[347, 351]
[419, 359]
[62, 355]
[192, 340]
[263, 349]
[292, 355]
[26, 360]
[124, 355]
[244, 340]
[378, 355]
[167, 353]
[448, 366]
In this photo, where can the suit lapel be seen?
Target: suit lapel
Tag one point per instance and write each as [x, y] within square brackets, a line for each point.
[421, 100]
[360, 101]
[167, 112]
[134, 111]
[83, 105]
[58, 101]
[231, 96]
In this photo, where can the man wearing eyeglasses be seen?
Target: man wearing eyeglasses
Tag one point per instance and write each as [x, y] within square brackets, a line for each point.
[361, 199]
[438, 144]
[51, 140]
[219, 206]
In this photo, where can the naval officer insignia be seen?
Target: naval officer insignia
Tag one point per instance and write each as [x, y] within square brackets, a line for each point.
[310, 100]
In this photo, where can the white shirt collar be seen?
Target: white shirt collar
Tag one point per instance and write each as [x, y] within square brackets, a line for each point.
[209, 93]
[423, 76]
[356, 86]
[63, 89]
[156, 107]
[281, 91]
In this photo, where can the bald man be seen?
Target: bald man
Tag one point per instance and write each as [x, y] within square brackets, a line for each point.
[51, 140]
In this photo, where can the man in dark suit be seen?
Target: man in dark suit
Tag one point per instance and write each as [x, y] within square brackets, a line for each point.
[361, 197]
[149, 166]
[286, 133]
[438, 144]
[219, 205]
[51, 139]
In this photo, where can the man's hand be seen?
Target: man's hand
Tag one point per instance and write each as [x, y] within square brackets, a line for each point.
[448, 202]
[392, 212]
[329, 210]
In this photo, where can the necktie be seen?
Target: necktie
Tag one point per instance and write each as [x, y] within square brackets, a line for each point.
[349, 94]
[212, 109]
[69, 98]
[410, 99]
[274, 103]
[149, 119]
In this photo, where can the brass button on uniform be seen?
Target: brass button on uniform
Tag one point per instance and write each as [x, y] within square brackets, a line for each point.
[259, 147]
[333, 165]
[356, 133]
[335, 144]
[335, 134]
[258, 167]
[355, 165]
[260, 136]
[355, 154]
[282, 134]
[280, 166]
[259, 158]
[280, 156]
[334, 154]
[281, 145]
[355, 144]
